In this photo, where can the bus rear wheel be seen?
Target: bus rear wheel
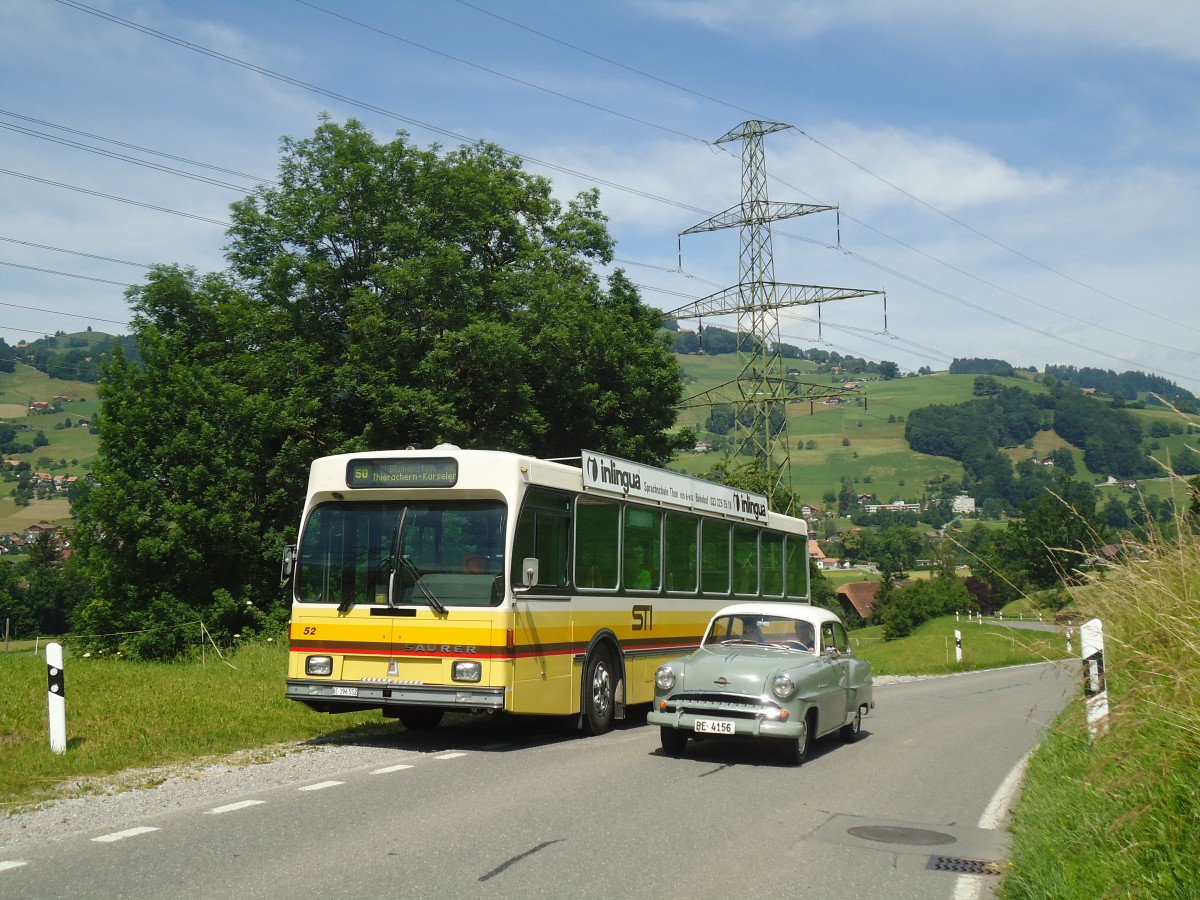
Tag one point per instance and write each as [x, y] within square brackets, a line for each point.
[420, 718]
[599, 685]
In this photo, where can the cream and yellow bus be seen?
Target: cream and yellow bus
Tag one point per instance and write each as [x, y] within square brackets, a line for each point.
[433, 580]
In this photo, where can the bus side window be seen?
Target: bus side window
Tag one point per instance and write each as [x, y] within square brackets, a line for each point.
[772, 563]
[680, 553]
[714, 553]
[542, 532]
[745, 559]
[642, 543]
[797, 566]
[597, 538]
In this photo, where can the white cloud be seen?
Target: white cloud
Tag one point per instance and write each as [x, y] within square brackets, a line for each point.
[1168, 26]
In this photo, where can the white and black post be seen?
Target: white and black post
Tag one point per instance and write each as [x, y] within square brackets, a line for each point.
[1091, 649]
[958, 646]
[56, 692]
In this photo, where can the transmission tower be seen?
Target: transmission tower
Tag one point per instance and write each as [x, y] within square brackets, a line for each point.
[762, 386]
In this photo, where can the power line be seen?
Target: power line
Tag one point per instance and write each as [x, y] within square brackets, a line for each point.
[128, 146]
[59, 312]
[64, 274]
[82, 190]
[123, 262]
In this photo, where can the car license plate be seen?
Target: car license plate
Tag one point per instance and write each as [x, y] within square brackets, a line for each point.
[345, 691]
[713, 726]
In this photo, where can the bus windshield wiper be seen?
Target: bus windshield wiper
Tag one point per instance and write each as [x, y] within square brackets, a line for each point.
[399, 560]
[419, 581]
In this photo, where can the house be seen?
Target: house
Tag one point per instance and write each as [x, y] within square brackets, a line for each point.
[808, 511]
[815, 551]
[962, 505]
[894, 506]
[858, 598]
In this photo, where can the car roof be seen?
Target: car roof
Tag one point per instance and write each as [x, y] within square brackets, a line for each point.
[814, 614]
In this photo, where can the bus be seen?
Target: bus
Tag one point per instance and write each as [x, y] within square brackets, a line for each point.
[427, 581]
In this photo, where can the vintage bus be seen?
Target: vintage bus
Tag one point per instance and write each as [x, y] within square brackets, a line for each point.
[426, 581]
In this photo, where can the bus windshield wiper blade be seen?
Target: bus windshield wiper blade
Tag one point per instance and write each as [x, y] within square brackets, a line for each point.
[419, 581]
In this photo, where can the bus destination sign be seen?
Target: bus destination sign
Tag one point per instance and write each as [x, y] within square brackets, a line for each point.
[413, 473]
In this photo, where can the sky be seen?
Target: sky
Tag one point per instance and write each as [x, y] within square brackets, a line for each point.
[1018, 180]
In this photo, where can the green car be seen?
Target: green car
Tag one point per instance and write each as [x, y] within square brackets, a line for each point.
[773, 670]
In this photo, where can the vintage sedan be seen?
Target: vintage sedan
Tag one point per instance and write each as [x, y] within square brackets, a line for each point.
[773, 670]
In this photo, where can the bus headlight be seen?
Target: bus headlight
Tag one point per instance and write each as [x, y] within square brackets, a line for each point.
[318, 665]
[665, 678]
[466, 670]
[783, 686]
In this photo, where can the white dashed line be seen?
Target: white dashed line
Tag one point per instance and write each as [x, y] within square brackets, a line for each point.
[321, 785]
[121, 835]
[7, 864]
[454, 755]
[232, 807]
[386, 769]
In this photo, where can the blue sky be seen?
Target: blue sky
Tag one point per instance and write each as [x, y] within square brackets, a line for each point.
[1022, 179]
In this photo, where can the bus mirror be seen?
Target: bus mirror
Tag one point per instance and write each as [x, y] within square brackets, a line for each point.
[288, 563]
[529, 571]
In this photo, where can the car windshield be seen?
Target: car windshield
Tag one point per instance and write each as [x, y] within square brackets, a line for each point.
[766, 630]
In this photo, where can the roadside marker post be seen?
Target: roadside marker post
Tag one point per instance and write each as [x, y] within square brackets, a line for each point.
[56, 694]
[958, 646]
[1091, 649]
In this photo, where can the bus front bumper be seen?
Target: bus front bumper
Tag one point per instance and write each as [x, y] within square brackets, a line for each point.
[347, 696]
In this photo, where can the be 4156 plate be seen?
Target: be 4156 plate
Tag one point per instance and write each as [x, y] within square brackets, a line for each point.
[713, 726]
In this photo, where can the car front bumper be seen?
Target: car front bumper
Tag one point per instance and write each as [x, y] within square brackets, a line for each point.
[751, 716]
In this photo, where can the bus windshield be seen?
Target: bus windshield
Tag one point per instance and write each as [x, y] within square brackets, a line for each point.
[453, 550]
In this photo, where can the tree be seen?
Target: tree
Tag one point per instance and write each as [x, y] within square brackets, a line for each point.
[380, 295]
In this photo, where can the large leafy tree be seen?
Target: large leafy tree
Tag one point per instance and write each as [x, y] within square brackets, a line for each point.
[379, 295]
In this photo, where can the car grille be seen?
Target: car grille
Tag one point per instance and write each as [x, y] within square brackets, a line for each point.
[736, 706]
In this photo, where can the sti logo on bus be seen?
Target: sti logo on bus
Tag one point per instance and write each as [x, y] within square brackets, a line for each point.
[610, 473]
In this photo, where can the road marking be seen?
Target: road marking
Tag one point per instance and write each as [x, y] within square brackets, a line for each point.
[386, 769]
[241, 804]
[455, 755]
[121, 835]
[7, 864]
[320, 786]
[971, 887]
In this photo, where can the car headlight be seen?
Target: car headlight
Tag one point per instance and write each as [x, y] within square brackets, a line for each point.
[318, 665]
[782, 686]
[664, 678]
[466, 670]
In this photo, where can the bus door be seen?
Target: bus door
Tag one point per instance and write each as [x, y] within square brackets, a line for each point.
[542, 648]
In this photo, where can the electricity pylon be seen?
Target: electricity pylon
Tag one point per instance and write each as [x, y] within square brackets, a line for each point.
[763, 387]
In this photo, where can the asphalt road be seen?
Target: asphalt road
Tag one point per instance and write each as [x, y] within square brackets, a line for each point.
[527, 808]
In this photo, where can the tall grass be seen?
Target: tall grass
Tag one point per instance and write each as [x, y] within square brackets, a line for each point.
[125, 714]
[1119, 816]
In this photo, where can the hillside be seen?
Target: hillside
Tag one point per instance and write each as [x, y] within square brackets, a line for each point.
[864, 437]
[69, 450]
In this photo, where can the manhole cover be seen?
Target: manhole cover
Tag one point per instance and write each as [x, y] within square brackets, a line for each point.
[899, 834]
[963, 866]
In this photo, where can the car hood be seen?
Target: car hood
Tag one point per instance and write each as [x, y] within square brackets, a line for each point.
[740, 670]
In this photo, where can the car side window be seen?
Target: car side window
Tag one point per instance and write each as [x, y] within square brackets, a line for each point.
[841, 638]
[827, 638]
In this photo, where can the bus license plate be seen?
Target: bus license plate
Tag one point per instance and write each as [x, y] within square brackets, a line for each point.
[713, 726]
[345, 691]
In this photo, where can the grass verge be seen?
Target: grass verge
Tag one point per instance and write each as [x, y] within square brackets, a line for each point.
[123, 714]
[1117, 815]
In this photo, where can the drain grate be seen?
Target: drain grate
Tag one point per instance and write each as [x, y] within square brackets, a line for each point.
[963, 866]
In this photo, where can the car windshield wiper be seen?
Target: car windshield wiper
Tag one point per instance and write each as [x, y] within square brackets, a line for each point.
[399, 560]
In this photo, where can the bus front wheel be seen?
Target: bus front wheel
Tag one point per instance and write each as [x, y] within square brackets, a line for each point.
[599, 684]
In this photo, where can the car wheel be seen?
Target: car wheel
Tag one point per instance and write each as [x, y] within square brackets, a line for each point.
[420, 718]
[849, 732]
[599, 682]
[674, 742]
[795, 749]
